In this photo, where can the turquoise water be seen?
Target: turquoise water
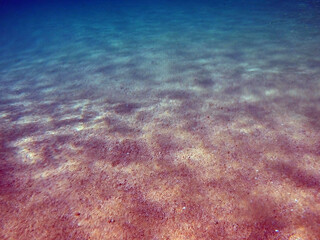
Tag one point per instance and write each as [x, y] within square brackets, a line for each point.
[159, 119]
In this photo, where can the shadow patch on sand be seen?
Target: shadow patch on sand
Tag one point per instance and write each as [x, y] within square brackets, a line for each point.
[204, 82]
[126, 108]
[122, 152]
[175, 94]
[299, 177]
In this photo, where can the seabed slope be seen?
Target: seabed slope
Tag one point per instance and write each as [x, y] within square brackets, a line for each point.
[142, 129]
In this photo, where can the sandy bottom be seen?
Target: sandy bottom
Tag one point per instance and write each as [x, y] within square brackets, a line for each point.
[154, 133]
[195, 163]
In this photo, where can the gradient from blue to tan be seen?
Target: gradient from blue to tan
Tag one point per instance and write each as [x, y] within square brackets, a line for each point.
[160, 120]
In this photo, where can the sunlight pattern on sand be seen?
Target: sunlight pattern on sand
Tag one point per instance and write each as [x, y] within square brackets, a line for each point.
[160, 121]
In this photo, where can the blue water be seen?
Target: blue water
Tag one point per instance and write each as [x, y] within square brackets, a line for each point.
[78, 36]
[159, 119]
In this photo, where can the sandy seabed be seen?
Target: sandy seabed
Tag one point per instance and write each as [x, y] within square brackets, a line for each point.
[219, 140]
